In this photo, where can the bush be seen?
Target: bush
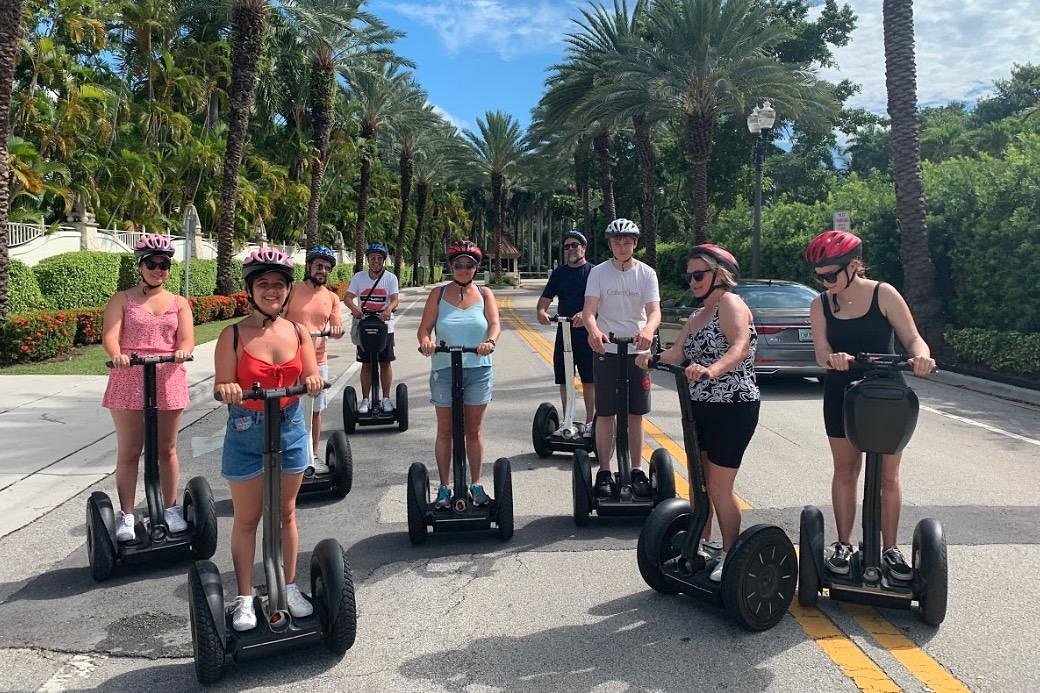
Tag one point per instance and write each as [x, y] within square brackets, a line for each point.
[89, 323]
[202, 277]
[241, 300]
[24, 290]
[84, 279]
[1012, 352]
[36, 336]
[339, 288]
[209, 308]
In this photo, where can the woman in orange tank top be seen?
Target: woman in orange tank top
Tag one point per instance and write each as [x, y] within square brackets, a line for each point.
[267, 349]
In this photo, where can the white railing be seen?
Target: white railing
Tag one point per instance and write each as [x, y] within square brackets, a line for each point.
[20, 234]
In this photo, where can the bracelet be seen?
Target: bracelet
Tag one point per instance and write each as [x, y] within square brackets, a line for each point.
[493, 342]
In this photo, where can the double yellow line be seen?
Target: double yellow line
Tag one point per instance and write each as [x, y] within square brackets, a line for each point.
[853, 661]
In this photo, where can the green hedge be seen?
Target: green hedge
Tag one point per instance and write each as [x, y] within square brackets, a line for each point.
[84, 279]
[24, 290]
[1013, 352]
[36, 336]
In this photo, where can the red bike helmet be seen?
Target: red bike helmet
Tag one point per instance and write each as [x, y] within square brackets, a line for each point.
[468, 248]
[833, 248]
[152, 244]
[717, 253]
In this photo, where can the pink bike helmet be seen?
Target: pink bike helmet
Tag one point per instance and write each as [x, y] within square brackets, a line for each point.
[152, 244]
[263, 261]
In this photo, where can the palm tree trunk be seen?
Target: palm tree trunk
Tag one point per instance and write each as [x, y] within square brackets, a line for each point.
[498, 213]
[601, 143]
[699, 131]
[422, 190]
[901, 82]
[10, 35]
[322, 81]
[249, 19]
[406, 165]
[648, 183]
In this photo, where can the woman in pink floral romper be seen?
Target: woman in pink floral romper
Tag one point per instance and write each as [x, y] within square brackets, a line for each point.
[147, 320]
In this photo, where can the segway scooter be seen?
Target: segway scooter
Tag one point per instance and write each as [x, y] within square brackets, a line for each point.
[334, 621]
[372, 333]
[340, 477]
[760, 573]
[546, 433]
[462, 514]
[880, 417]
[152, 535]
[622, 501]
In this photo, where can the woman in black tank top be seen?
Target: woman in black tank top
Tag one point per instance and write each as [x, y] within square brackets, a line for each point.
[855, 314]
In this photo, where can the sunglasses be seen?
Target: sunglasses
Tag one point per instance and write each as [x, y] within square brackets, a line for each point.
[696, 276]
[160, 265]
[463, 265]
[829, 277]
[568, 246]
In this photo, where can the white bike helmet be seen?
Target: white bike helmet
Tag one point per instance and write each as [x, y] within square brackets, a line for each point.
[622, 227]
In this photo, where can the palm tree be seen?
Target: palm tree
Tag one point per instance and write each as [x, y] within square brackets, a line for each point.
[413, 118]
[704, 60]
[901, 82]
[10, 35]
[437, 148]
[497, 150]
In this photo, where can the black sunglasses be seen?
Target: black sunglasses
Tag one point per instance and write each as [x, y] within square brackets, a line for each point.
[463, 265]
[829, 277]
[696, 276]
[571, 245]
[160, 265]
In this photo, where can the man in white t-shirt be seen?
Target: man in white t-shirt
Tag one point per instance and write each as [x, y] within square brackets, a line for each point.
[379, 292]
[622, 298]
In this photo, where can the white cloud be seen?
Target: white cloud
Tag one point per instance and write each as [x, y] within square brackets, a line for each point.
[506, 27]
[962, 46]
[457, 122]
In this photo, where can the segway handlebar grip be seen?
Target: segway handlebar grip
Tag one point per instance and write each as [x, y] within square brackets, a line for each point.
[560, 318]
[443, 348]
[323, 333]
[136, 360]
[620, 340]
[257, 392]
[883, 362]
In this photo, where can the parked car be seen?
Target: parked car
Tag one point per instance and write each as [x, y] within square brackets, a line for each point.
[780, 310]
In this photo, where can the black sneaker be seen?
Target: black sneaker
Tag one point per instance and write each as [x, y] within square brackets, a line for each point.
[893, 561]
[841, 558]
[640, 484]
[604, 483]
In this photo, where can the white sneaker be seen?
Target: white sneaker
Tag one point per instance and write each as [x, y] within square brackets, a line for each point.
[388, 406]
[716, 575]
[319, 466]
[587, 433]
[365, 406]
[125, 527]
[243, 616]
[175, 519]
[706, 548]
[298, 604]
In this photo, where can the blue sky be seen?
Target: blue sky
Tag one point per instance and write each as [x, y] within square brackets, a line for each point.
[480, 55]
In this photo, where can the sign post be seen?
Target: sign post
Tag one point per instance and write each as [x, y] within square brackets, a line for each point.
[842, 221]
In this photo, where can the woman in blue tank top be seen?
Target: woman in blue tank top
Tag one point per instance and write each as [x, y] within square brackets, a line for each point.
[852, 315]
[461, 314]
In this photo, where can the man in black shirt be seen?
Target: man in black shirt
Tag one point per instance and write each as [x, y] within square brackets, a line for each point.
[567, 282]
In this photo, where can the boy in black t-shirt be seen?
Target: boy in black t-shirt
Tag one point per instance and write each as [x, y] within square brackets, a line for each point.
[567, 282]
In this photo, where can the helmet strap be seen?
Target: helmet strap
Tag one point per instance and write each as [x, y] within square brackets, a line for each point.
[149, 287]
[714, 286]
[268, 318]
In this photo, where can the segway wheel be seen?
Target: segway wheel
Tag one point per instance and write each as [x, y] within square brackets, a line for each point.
[402, 407]
[418, 500]
[759, 577]
[206, 638]
[201, 513]
[810, 555]
[662, 475]
[931, 573]
[332, 590]
[661, 540]
[546, 421]
[581, 488]
[101, 532]
[349, 409]
[504, 498]
[339, 456]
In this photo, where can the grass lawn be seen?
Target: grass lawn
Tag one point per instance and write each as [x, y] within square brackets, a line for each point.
[90, 360]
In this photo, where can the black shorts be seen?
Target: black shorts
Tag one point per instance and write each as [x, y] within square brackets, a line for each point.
[606, 374]
[724, 429]
[834, 385]
[385, 356]
[580, 350]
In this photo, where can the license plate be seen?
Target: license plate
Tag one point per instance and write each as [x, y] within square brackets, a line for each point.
[804, 334]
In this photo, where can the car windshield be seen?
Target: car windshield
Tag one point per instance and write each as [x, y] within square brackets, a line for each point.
[775, 295]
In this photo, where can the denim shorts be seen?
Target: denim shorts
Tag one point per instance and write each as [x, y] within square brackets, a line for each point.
[477, 385]
[243, 456]
[321, 400]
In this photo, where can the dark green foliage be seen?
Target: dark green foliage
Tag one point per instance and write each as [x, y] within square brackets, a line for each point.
[26, 296]
[202, 277]
[1003, 351]
[82, 279]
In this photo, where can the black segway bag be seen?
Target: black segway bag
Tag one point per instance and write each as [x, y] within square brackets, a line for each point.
[372, 334]
[880, 414]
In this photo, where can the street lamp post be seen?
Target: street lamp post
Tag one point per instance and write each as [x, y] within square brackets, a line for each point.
[761, 119]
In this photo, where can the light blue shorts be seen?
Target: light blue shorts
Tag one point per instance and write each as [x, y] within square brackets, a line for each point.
[243, 456]
[321, 400]
[477, 385]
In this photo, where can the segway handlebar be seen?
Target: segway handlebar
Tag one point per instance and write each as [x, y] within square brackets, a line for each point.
[323, 333]
[614, 339]
[561, 318]
[880, 362]
[257, 392]
[443, 348]
[136, 360]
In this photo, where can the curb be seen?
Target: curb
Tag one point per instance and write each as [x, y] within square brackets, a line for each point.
[987, 387]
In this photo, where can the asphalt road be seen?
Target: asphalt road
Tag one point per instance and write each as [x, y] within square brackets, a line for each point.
[557, 607]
